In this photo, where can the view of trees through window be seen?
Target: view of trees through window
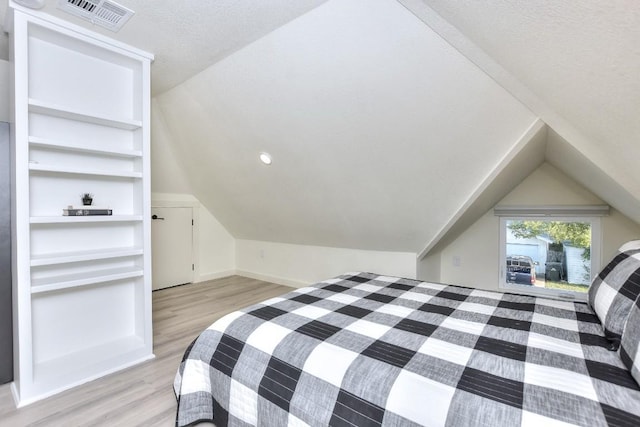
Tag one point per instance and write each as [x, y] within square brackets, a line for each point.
[549, 253]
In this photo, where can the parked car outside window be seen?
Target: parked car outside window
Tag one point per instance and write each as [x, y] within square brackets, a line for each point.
[521, 270]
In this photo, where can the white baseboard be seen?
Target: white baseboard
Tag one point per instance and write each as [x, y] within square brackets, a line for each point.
[213, 276]
[272, 279]
[258, 276]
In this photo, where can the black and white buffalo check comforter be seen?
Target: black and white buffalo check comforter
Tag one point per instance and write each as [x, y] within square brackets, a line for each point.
[364, 350]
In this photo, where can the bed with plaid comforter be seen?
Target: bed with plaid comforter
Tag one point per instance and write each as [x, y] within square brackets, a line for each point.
[367, 350]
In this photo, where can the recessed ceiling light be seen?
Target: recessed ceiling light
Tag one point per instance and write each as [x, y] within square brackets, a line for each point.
[265, 158]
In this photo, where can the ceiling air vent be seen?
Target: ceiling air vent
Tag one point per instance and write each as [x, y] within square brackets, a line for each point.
[105, 13]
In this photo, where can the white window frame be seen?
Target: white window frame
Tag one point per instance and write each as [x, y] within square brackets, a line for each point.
[596, 250]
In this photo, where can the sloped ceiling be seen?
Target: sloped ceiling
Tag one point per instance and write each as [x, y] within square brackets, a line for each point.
[187, 36]
[581, 59]
[378, 129]
[386, 118]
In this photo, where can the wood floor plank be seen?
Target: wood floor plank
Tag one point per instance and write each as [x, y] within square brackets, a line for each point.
[143, 395]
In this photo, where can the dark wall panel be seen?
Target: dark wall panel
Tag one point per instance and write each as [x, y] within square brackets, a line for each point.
[6, 330]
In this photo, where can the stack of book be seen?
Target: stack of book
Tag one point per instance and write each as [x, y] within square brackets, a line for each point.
[85, 211]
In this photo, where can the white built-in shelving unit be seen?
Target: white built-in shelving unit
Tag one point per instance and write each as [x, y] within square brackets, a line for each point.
[82, 285]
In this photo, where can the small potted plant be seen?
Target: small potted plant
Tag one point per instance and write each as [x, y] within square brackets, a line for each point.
[87, 199]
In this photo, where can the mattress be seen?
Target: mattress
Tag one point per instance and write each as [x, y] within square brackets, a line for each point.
[367, 350]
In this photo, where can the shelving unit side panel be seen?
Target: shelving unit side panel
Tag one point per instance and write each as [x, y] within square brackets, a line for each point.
[20, 250]
[144, 292]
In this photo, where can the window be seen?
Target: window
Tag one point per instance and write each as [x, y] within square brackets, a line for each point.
[549, 253]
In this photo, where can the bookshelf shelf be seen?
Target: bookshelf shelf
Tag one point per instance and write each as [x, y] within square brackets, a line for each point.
[35, 141]
[83, 219]
[50, 109]
[66, 281]
[110, 356]
[82, 171]
[78, 256]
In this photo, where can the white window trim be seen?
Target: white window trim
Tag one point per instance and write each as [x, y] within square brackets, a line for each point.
[596, 262]
[552, 210]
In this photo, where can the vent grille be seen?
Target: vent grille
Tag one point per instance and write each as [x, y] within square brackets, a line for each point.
[105, 13]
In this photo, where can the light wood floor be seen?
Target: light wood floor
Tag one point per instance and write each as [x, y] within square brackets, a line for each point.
[143, 395]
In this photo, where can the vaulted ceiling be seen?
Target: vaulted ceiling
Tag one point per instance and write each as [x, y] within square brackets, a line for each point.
[378, 129]
[188, 36]
[578, 61]
[385, 118]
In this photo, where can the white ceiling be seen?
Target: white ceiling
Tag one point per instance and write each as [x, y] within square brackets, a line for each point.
[187, 36]
[581, 58]
[380, 128]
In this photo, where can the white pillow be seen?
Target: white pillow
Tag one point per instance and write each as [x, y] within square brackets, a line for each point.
[630, 246]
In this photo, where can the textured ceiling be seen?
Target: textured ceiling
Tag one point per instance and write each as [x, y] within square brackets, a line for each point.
[581, 58]
[187, 36]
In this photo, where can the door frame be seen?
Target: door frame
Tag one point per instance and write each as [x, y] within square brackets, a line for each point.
[195, 212]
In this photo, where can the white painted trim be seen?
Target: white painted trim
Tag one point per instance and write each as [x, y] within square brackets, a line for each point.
[173, 201]
[273, 279]
[195, 242]
[552, 211]
[174, 204]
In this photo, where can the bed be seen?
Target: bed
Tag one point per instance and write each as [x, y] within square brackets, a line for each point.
[364, 349]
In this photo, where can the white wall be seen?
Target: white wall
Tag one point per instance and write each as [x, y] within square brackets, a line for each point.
[477, 249]
[617, 229]
[217, 248]
[299, 265]
[167, 174]
[477, 253]
[222, 255]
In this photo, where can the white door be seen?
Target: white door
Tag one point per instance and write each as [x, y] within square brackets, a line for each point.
[172, 246]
